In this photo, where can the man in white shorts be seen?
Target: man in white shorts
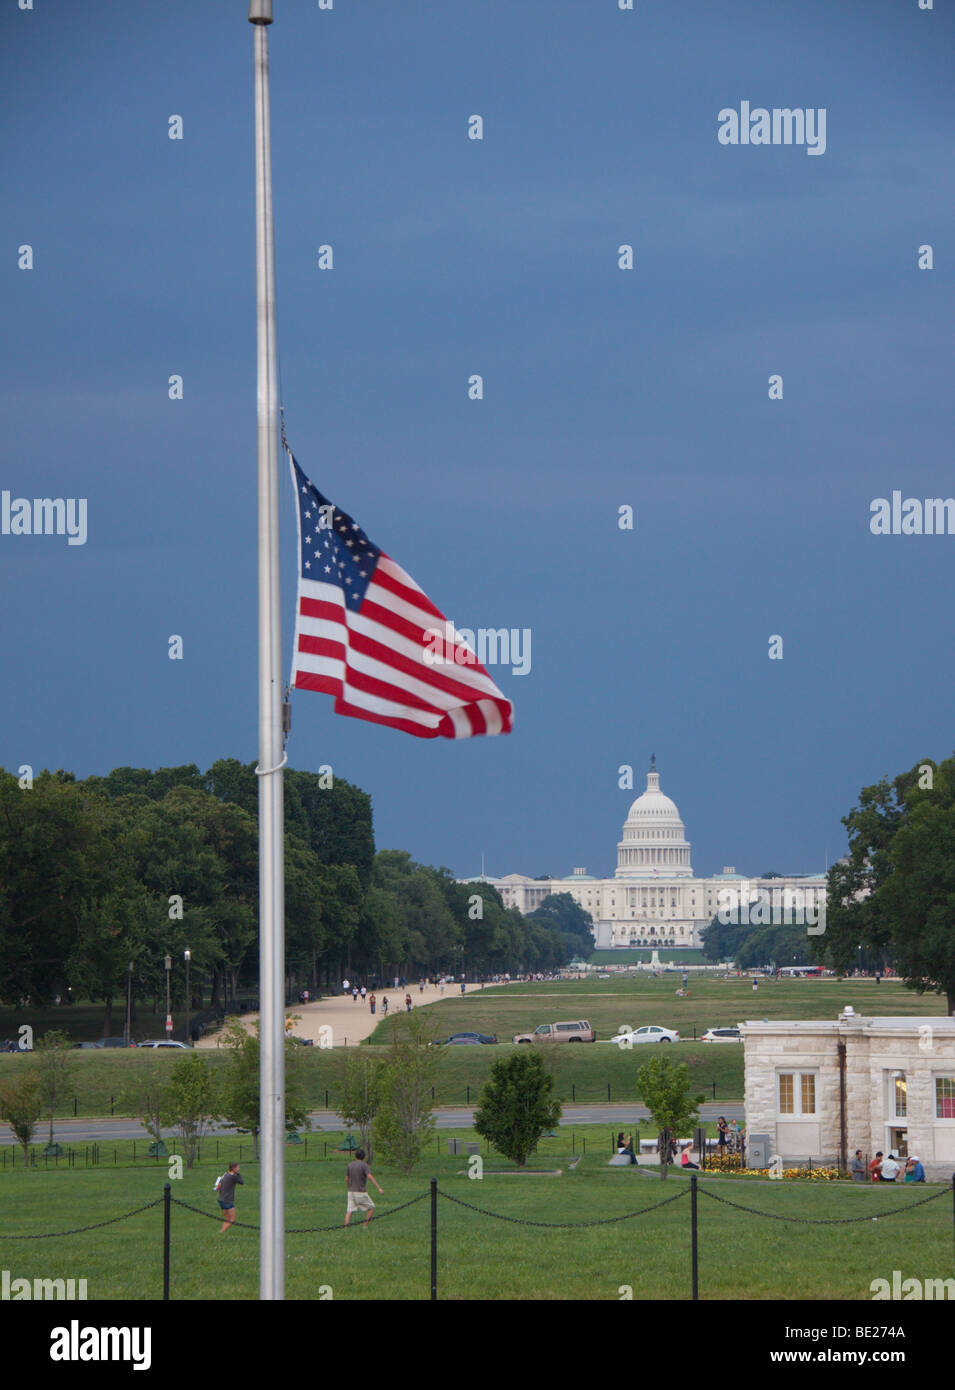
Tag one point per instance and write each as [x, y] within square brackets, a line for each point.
[357, 1175]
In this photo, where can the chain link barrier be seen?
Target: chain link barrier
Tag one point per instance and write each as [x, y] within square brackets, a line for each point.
[825, 1220]
[564, 1225]
[300, 1230]
[78, 1230]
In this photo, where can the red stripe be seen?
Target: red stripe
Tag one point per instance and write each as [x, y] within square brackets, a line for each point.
[395, 586]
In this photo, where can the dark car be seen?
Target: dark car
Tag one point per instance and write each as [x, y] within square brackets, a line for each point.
[456, 1038]
[11, 1045]
[88, 1044]
[116, 1042]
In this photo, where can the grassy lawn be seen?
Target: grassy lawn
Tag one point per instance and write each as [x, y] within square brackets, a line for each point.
[581, 1072]
[741, 1255]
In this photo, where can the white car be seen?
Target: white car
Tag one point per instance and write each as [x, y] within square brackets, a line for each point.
[729, 1035]
[629, 1037]
[165, 1042]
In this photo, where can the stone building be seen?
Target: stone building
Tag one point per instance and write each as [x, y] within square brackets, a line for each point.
[823, 1089]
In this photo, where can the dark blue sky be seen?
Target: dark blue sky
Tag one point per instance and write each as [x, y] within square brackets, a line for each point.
[602, 388]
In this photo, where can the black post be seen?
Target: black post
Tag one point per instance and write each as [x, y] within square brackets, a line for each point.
[573, 1091]
[74, 1107]
[714, 1090]
[166, 1212]
[434, 1240]
[111, 1105]
[326, 1100]
[468, 1100]
[693, 1238]
[953, 1199]
[608, 1090]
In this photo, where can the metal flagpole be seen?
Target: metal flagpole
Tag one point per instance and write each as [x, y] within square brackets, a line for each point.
[271, 755]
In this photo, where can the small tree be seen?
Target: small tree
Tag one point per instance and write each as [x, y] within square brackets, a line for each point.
[404, 1121]
[515, 1107]
[54, 1069]
[665, 1090]
[147, 1100]
[191, 1100]
[240, 1095]
[21, 1105]
[360, 1093]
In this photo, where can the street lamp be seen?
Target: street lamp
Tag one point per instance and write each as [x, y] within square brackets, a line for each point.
[168, 965]
[188, 957]
[129, 997]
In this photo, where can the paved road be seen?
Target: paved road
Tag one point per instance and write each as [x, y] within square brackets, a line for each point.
[87, 1131]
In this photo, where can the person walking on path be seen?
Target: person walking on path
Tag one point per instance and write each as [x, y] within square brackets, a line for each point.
[384, 1005]
[463, 986]
[225, 1191]
[357, 1177]
[345, 986]
[421, 986]
[372, 1001]
[354, 993]
[363, 991]
[857, 1167]
[723, 1129]
[408, 1003]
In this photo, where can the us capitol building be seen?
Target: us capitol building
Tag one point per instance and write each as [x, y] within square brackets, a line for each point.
[653, 898]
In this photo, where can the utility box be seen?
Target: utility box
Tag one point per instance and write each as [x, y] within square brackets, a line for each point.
[759, 1148]
[454, 1146]
[472, 1146]
[699, 1139]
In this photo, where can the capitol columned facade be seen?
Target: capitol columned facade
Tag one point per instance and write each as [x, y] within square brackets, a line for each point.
[653, 898]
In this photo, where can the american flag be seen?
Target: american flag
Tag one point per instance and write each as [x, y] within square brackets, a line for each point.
[366, 633]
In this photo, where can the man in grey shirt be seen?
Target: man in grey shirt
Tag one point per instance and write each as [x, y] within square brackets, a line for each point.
[225, 1191]
[857, 1167]
[357, 1175]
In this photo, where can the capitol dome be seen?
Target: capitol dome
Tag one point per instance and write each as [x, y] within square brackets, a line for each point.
[654, 842]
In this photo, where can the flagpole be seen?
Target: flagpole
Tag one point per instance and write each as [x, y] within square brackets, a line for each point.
[271, 755]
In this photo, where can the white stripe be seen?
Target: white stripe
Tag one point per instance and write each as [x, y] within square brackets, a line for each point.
[377, 705]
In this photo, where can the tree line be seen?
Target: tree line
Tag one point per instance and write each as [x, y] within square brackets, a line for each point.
[101, 879]
[890, 901]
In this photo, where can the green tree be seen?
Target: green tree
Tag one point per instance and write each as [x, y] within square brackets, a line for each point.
[359, 1093]
[404, 1121]
[53, 1068]
[146, 1098]
[664, 1089]
[21, 1105]
[192, 1101]
[894, 895]
[239, 1093]
[515, 1107]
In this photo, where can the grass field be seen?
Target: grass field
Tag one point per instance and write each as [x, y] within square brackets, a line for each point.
[581, 1073]
[742, 1256]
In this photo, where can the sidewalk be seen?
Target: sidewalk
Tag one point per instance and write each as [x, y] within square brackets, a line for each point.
[351, 1022]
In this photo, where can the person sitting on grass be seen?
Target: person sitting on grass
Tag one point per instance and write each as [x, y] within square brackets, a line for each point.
[685, 1158]
[914, 1172]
